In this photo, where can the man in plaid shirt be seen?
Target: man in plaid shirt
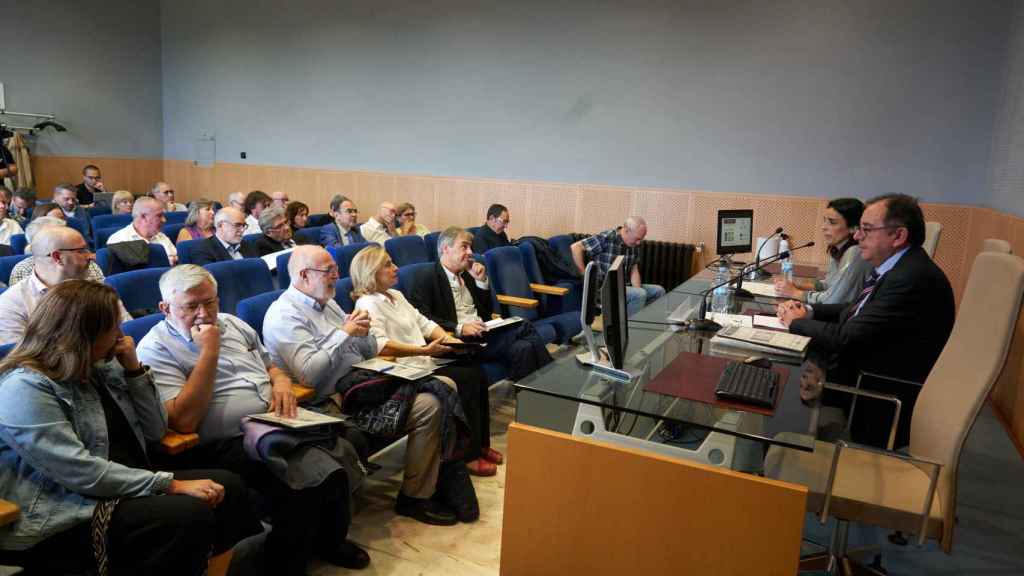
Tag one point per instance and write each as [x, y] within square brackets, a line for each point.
[603, 247]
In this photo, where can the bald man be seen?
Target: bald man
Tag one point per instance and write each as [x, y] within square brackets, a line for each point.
[624, 240]
[58, 254]
[226, 242]
[381, 227]
[147, 220]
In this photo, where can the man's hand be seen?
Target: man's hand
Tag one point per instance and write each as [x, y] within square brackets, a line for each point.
[408, 227]
[206, 336]
[358, 323]
[437, 348]
[791, 310]
[282, 400]
[474, 329]
[786, 288]
[206, 490]
[124, 351]
[478, 271]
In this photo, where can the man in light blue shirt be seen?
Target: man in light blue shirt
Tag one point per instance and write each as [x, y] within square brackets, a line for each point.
[310, 336]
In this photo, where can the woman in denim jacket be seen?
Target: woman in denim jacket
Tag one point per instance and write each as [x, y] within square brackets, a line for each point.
[76, 411]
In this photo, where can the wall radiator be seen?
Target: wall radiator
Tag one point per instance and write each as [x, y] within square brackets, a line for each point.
[668, 264]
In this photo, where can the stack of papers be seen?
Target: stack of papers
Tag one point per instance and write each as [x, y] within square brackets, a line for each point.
[303, 419]
[415, 371]
[760, 340]
[502, 322]
[761, 289]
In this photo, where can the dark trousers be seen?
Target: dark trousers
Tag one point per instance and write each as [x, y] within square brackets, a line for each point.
[166, 534]
[304, 521]
[518, 348]
[472, 386]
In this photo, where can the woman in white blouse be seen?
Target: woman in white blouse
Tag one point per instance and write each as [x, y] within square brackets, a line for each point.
[8, 226]
[401, 330]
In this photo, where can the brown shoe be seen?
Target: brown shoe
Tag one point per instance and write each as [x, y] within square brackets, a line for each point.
[492, 455]
[481, 467]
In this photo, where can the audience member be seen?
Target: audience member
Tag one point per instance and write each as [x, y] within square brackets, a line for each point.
[455, 294]
[122, 202]
[316, 342]
[344, 231]
[846, 269]
[8, 226]
[381, 227]
[48, 209]
[226, 242]
[22, 203]
[147, 219]
[400, 330]
[603, 247]
[83, 473]
[199, 222]
[492, 234]
[255, 202]
[59, 254]
[164, 194]
[64, 196]
[92, 184]
[237, 200]
[297, 214]
[279, 199]
[406, 221]
[906, 299]
[27, 266]
[212, 372]
[277, 234]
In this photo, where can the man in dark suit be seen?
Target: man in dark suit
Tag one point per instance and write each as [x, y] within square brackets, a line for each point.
[226, 242]
[898, 324]
[64, 195]
[492, 233]
[277, 234]
[455, 293]
[343, 231]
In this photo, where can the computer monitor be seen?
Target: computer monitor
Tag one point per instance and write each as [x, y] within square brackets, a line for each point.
[613, 312]
[735, 232]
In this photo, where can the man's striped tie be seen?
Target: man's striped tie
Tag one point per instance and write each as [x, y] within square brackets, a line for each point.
[869, 287]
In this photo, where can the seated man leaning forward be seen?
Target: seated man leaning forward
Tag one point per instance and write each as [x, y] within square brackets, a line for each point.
[147, 219]
[310, 336]
[455, 294]
[603, 247]
[212, 371]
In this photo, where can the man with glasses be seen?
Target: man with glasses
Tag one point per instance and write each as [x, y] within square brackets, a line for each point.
[147, 220]
[897, 325]
[164, 194]
[212, 371]
[279, 199]
[58, 254]
[344, 231]
[277, 234]
[92, 184]
[226, 242]
[493, 233]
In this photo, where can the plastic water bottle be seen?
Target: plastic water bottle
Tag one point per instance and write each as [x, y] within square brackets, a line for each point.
[787, 262]
[720, 297]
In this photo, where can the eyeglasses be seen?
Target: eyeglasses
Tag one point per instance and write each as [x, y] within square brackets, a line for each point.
[236, 225]
[193, 307]
[82, 250]
[866, 229]
[409, 215]
[352, 211]
[280, 225]
[330, 271]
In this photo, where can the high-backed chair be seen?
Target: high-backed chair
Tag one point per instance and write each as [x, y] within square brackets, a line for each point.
[139, 327]
[171, 230]
[252, 237]
[308, 235]
[139, 289]
[343, 295]
[343, 256]
[406, 272]
[109, 220]
[7, 264]
[567, 295]
[987, 245]
[18, 243]
[562, 244]
[175, 217]
[932, 231]
[254, 308]
[184, 249]
[109, 264]
[284, 279]
[917, 492]
[317, 220]
[240, 279]
[430, 240]
[103, 234]
[405, 250]
[517, 296]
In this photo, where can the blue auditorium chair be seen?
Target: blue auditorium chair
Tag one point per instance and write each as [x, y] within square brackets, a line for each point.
[517, 296]
[7, 264]
[252, 237]
[406, 250]
[308, 235]
[474, 230]
[284, 279]
[317, 220]
[111, 265]
[184, 249]
[343, 295]
[253, 309]
[431, 242]
[139, 327]
[343, 256]
[95, 211]
[18, 243]
[104, 234]
[138, 289]
[175, 217]
[561, 244]
[572, 301]
[109, 220]
[240, 279]
[172, 230]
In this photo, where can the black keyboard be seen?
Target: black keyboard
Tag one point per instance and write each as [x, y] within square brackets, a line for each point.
[748, 384]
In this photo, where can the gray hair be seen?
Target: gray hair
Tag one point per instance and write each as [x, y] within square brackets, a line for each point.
[338, 200]
[268, 216]
[194, 208]
[65, 187]
[448, 238]
[39, 223]
[223, 213]
[182, 278]
[236, 197]
[634, 222]
[142, 205]
[156, 187]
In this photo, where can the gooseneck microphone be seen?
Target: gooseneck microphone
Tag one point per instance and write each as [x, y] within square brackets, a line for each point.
[757, 257]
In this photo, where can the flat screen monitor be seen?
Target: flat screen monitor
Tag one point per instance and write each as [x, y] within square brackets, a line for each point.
[613, 312]
[735, 231]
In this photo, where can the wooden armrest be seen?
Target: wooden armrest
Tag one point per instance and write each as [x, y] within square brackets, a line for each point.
[517, 301]
[9, 512]
[302, 393]
[552, 290]
[176, 443]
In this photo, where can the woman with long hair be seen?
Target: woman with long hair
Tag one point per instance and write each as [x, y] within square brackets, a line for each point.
[298, 216]
[199, 222]
[76, 411]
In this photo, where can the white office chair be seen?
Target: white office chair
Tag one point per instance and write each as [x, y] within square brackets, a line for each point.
[996, 245]
[932, 231]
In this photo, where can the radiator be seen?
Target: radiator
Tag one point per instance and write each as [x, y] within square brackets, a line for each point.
[667, 264]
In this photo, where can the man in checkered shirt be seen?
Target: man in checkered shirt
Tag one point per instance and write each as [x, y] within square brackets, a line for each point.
[603, 247]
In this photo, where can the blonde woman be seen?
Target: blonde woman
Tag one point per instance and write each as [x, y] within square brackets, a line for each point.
[199, 222]
[400, 330]
[122, 202]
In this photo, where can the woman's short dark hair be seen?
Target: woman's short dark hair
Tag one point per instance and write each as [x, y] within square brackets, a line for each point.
[256, 197]
[294, 209]
[903, 210]
[849, 208]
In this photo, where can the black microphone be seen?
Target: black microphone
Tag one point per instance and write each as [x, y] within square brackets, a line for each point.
[757, 258]
[702, 323]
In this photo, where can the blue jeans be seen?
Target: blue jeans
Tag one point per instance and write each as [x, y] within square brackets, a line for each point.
[637, 298]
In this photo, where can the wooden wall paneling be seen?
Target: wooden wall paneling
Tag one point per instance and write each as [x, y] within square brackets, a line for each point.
[331, 183]
[551, 209]
[705, 213]
[421, 191]
[178, 173]
[300, 184]
[797, 216]
[668, 215]
[372, 188]
[611, 510]
[458, 203]
[951, 254]
[603, 207]
[135, 174]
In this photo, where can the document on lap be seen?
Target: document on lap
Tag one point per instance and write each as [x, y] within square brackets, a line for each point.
[303, 419]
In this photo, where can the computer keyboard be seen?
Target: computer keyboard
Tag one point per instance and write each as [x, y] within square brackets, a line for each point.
[748, 384]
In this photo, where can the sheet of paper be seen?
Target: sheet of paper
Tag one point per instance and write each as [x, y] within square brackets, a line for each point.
[501, 322]
[769, 322]
[271, 259]
[730, 319]
[303, 419]
[761, 289]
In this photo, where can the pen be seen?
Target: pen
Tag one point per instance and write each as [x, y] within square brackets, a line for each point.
[386, 368]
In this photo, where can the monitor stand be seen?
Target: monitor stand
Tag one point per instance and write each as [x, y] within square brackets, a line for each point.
[598, 361]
